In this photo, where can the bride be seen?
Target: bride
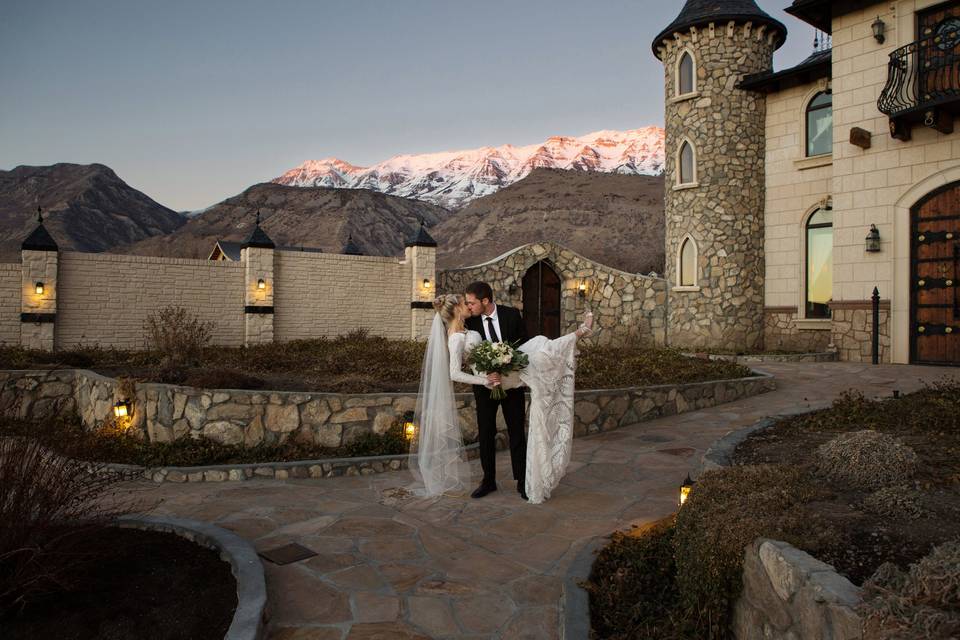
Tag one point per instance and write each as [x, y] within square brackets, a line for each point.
[438, 457]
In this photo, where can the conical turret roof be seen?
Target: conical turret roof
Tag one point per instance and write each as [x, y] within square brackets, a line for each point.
[258, 237]
[39, 239]
[421, 238]
[351, 249]
[697, 13]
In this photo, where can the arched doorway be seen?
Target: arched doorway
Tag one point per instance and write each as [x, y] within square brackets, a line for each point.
[541, 300]
[935, 278]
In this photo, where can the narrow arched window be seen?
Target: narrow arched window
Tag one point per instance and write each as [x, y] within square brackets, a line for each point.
[688, 263]
[820, 124]
[685, 74]
[819, 270]
[687, 168]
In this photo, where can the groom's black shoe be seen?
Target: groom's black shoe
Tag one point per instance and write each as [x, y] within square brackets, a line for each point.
[483, 490]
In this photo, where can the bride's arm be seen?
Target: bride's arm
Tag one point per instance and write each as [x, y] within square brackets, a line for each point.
[455, 343]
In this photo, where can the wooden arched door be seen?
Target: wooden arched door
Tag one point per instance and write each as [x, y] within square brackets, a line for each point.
[541, 300]
[935, 278]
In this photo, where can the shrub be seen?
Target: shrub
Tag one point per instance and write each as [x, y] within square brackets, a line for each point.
[221, 379]
[632, 585]
[50, 505]
[866, 459]
[178, 335]
[922, 603]
[898, 503]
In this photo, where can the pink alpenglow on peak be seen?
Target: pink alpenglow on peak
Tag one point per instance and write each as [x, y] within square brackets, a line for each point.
[451, 179]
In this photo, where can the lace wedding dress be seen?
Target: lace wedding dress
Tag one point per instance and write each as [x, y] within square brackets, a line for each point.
[550, 378]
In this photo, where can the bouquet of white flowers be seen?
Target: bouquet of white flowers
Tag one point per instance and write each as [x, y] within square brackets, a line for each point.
[497, 357]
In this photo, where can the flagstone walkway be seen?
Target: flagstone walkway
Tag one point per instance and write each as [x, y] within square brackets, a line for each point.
[389, 566]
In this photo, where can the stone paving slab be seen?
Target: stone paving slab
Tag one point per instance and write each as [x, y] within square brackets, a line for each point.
[390, 565]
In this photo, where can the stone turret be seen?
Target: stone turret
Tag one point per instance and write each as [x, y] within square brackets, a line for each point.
[718, 206]
[257, 254]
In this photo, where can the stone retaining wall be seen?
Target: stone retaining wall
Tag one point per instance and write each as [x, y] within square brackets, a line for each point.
[819, 356]
[789, 594]
[163, 412]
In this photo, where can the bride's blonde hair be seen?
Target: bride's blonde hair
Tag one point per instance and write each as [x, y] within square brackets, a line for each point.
[446, 305]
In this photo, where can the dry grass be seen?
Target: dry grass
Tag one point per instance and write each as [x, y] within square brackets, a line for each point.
[922, 603]
[866, 459]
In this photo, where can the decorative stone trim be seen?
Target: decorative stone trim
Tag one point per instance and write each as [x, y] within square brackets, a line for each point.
[863, 305]
[686, 288]
[683, 98]
[421, 305]
[820, 356]
[248, 618]
[811, 162]
[685, 185]
[38, 317]
[255, 309]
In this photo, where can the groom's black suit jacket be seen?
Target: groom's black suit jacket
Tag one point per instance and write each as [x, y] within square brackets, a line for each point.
[512, 326]
[513, 330]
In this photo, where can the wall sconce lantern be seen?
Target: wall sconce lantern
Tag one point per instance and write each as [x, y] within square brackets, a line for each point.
[873, 239]
[426, 283]
[878, 26]
[122, 409]
[39, 288]
[409, 426]
[582, 289]
[261, 284]
[685, 489]
[513, 288]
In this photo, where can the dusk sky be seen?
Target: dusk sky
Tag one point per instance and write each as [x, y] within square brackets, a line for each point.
[192, 102]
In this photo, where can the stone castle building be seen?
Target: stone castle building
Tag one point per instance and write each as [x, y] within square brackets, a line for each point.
[791, 195]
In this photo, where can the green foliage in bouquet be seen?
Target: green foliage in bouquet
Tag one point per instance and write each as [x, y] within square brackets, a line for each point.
[497, 357]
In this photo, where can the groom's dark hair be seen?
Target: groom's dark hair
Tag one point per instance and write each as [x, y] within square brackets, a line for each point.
[480, 290]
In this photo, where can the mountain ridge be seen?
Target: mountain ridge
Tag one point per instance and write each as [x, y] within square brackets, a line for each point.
[452, 179]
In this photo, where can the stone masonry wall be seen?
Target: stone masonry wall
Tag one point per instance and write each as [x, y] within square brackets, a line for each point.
[852, 332]
[782, 332]
[104, 298]
[10, 304]
[627, 307]
[323, 294]
[723, 209]
[788, 594]
[164, 412]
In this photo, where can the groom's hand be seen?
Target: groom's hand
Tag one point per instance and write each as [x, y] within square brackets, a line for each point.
[493, 379]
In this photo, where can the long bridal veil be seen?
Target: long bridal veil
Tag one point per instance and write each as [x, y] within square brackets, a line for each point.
[437, 458]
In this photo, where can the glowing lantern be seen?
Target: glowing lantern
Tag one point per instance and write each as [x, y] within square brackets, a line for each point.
[685, 489]
[122, 409]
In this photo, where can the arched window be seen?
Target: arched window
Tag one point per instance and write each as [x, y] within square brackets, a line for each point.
[819, 290]
[685, 74]
[820, 124]
[687, 262]
[687, 162]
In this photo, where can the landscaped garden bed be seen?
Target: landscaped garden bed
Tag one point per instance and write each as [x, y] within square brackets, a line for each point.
[71, 566]
[134, 584]
[354, 363]
[870, 487]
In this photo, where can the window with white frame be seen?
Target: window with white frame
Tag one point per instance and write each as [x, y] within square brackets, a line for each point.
[819, 268]
[820, 124]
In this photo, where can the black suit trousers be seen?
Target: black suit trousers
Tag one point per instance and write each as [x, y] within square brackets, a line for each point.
[514, 414]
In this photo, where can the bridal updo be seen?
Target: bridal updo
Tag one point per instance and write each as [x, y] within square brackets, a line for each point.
[446, 305]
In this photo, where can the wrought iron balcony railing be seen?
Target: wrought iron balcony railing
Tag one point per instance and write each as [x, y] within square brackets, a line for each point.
[923, 83]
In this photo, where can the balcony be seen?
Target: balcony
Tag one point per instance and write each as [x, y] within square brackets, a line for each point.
[923, 85]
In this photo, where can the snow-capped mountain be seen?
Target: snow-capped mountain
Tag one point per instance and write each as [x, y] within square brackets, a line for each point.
[452, 179]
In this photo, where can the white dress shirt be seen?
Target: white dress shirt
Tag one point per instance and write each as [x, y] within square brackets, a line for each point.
[496, 325]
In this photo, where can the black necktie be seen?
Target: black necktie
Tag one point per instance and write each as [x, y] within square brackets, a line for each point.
[491, 332]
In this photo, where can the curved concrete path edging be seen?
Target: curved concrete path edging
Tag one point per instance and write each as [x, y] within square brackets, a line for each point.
[248, 619]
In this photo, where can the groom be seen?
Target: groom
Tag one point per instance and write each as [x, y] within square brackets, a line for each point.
[497, 323]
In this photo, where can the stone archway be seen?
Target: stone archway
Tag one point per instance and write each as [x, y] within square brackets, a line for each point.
[541, 300]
